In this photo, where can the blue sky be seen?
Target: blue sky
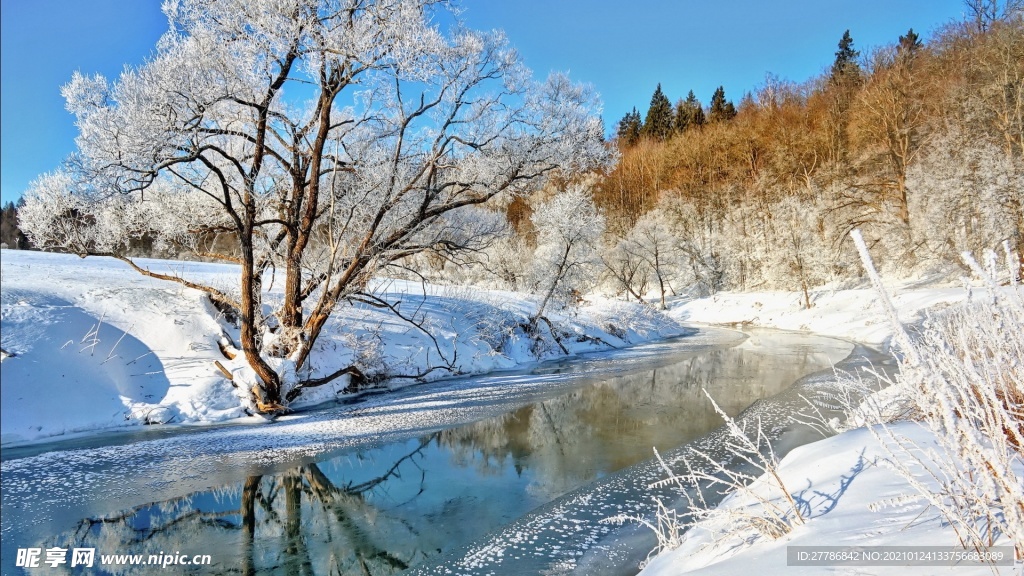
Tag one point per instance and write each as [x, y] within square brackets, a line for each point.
[623, 48]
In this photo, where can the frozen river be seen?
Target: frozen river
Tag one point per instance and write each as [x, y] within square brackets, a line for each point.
[507, 473]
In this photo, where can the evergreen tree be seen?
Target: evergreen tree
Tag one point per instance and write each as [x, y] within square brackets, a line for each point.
[699, 119]
[682, 119]
[845, 66]
[629, 128]
[721, 109]
[844, 79]
[909, 44]
[660, 120]
[689, 113]
[10, 234]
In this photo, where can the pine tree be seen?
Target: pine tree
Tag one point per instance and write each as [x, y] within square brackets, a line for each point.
[629, 128]
[845, 66]
[689, 113]
[909, 44]
[721, 109]
[660, 120]
[699, 119]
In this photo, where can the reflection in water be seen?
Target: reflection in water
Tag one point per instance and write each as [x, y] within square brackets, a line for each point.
[382, 510]
[303, 521]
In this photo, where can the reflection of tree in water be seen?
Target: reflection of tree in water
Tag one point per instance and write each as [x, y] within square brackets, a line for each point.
[298, 522]
[570, 440]
[356, 514]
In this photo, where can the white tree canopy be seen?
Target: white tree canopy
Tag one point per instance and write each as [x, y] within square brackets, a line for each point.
[325, 137]
[569, 229]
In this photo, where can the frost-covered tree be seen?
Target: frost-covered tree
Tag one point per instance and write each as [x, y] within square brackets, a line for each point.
[696, 234]
[800, 254]
[653, 243]
[569, 230]
[326, 137]
[625, 270]
[969, 197]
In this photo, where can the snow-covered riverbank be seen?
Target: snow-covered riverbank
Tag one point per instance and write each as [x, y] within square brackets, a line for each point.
[863, 488]
[853, 314]
[94, 345]
[850, 498]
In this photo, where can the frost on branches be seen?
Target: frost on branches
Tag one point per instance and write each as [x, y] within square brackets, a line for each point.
[569, 230]
[324, 139]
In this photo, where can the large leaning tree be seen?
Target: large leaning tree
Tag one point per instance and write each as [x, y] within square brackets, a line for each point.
[324, 138]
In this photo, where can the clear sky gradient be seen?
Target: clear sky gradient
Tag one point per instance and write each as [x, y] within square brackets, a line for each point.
[623, 48]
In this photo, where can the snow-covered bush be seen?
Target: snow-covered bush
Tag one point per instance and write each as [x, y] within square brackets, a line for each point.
[964, 377]
[569, 230]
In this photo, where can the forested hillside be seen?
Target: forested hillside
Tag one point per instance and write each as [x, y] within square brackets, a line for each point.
[918, 143]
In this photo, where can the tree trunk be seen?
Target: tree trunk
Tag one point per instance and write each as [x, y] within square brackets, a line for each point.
[554, 285]
[250, 337]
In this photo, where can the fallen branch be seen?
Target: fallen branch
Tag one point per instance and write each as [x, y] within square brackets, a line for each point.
[554, 335]
[224, 371]
[225, 351]
[358, 379]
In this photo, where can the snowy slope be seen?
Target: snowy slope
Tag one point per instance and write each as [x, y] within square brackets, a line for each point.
[95, 345]
[98, 346]
[839, 480]
[852, 314]
[849, 496]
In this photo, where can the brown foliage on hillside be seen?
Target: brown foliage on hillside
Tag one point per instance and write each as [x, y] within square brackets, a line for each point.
[920, 145]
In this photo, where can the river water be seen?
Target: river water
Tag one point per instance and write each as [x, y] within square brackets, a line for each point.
[507, 473]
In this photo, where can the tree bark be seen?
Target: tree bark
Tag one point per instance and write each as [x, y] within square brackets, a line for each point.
[250, 336]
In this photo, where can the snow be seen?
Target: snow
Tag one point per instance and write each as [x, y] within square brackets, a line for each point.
[91, 345]
[97, 346]
[839, 480]
[843, 481]
[853, 314]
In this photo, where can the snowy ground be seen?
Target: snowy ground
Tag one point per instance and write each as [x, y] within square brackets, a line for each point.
[841, 480]
[91, 345]
[838, 481]
[852, 314]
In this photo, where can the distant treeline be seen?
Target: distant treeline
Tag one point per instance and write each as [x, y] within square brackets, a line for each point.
[918, 143]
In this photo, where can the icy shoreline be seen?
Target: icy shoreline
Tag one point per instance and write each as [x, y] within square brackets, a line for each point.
[849, 492]
[94, 346]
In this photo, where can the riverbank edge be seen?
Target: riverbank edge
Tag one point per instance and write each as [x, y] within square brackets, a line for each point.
[92, 347]
[857, 316]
